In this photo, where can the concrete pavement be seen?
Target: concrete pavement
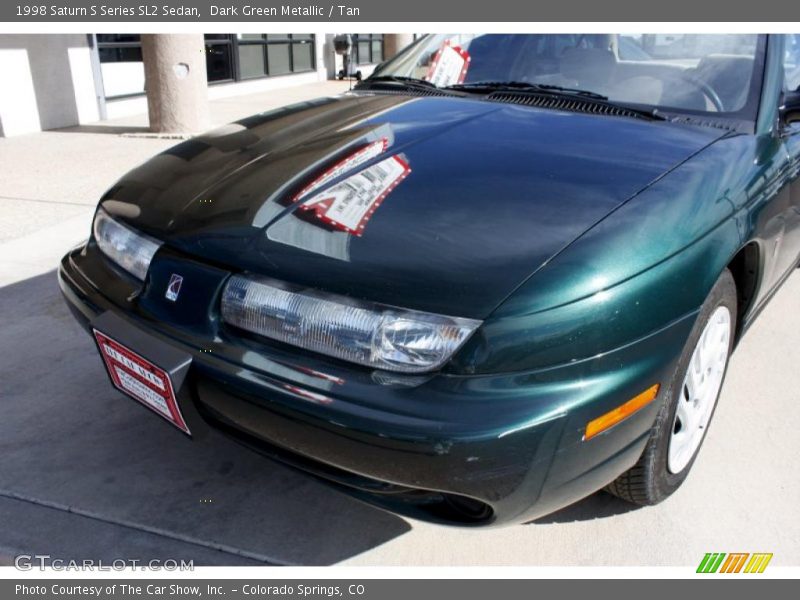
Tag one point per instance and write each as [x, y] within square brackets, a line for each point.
[53, 176]
[86, 473]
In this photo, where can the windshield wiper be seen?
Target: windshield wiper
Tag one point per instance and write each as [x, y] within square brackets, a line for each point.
[490, 87]
[497, 86]
[411, 82]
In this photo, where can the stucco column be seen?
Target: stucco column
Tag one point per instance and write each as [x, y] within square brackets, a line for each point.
[394, 42]
[175, 82]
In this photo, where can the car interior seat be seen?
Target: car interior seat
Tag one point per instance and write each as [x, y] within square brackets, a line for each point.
[588, 68]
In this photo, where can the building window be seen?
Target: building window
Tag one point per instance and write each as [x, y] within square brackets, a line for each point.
[219, 57]
[368, 48]
[272, 54]
[229, 57]
[121, 64]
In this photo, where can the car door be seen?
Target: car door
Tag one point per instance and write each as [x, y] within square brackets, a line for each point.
[790, 251]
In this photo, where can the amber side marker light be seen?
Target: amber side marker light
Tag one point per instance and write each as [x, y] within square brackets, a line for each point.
[612, 417]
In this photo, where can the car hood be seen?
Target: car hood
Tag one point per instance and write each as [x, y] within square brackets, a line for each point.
[494, 191]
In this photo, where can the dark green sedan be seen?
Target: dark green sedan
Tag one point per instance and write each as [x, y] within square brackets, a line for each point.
[500, 274]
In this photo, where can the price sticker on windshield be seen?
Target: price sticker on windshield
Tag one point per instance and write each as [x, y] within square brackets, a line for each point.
[349, 205]
[449, 66]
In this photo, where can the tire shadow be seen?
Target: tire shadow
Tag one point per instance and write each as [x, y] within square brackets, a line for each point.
[597, 506]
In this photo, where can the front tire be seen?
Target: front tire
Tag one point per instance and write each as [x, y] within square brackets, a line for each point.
[690, 400]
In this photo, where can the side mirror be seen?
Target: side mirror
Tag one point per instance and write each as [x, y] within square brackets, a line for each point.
[790, 108]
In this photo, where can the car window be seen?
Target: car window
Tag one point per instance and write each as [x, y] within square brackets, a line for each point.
[629, 49]
[791, 62]
[698, 73]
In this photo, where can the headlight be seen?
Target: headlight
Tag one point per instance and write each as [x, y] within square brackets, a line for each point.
[369, 334]
[131, 250]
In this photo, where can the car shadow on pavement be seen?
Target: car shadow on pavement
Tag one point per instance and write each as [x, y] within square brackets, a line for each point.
[70, 442]
[597, 506]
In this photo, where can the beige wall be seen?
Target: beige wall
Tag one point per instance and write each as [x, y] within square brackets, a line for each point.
[46, 82]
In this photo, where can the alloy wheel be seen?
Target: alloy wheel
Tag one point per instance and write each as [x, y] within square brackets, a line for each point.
[700, 389]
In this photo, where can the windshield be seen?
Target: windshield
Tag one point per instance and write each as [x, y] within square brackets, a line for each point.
[681, 73]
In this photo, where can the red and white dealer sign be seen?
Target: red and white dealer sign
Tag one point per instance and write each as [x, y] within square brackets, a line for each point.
[140, 379]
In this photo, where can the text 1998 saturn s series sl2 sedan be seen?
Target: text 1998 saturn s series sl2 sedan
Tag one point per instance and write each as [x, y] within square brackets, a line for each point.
[503, 272]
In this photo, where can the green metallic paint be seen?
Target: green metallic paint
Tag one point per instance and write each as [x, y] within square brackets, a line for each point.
[599, 313]
[654, 259]
[650, 262]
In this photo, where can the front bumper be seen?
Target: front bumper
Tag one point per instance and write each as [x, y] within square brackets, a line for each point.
[455, 449]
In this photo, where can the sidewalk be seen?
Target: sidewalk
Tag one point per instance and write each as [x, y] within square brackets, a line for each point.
[225, 110]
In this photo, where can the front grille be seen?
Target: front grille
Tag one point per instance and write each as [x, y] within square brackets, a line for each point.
[430, 505]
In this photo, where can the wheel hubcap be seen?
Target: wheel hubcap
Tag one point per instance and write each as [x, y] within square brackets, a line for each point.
[700, 390]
